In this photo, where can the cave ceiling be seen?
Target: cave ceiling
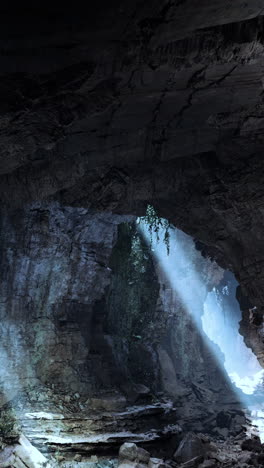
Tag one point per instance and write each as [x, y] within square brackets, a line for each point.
[116, 104]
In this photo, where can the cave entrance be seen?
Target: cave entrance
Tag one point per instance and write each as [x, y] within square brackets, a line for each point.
[220, 322]
[221, 319]
[197, 280]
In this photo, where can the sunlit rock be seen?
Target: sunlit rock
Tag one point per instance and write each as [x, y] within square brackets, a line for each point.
[23, 455]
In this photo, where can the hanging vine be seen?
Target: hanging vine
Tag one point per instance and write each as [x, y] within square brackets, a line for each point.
[154, 224]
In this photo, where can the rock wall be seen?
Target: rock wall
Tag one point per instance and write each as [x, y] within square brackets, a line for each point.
[54, 267]
[86, 309]
[152, 334]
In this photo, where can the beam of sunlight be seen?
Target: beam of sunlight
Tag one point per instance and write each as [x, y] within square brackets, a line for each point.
[219, 326]
[180, 270]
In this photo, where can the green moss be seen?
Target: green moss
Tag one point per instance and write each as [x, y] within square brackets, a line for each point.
[134, 289]
[9, 428]
[132, 304]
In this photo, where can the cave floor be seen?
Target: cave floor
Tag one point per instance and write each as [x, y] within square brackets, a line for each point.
[70, 434]
[67, 429]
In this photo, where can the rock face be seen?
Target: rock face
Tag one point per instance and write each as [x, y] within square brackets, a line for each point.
[153, 334]
[54, 265]
[90, 324]
[86, 432]
[132, 103]
[23, 455]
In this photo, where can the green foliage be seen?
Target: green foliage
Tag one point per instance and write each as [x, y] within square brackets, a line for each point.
[137, 257]
[134, 290]
[155, 224]
[8, 425]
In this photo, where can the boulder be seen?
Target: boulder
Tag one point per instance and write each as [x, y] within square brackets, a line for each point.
[252, 444]
[192, 445]
[142, 455]
[131, 452]
[128, 451]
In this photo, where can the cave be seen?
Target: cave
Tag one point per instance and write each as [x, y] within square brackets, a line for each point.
[131, 224]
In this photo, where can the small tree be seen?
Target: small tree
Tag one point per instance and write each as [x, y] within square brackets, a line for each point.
[154, 224]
